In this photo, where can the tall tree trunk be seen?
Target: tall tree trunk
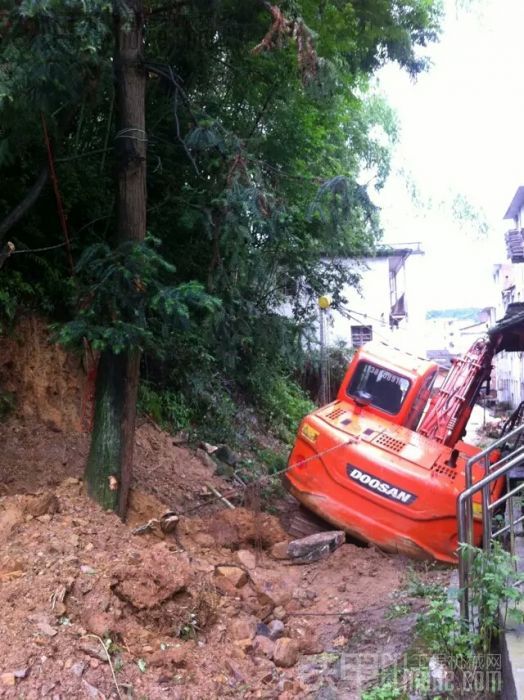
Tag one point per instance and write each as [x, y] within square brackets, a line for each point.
[109, 466]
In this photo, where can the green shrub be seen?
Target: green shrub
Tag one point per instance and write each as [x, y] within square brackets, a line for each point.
[337, 360]
[283, 404]
[166, 408]
[17, 295]
[494, 592]
[387, 691]
[206, 415]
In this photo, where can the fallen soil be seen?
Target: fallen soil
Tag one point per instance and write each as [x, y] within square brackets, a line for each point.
[37, 456]
[76, 585]
[91, 609]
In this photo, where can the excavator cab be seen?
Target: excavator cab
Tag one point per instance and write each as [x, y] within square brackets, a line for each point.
[395, 388]
[386, 461]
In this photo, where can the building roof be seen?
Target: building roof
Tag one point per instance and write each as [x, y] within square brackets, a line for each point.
[401, 250]
[442, 356]
[508, 333]
[516, 204]
[439, 354]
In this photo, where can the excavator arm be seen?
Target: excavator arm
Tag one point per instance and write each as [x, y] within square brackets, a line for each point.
[450, 408]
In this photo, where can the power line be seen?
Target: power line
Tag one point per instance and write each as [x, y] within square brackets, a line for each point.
[384, 340]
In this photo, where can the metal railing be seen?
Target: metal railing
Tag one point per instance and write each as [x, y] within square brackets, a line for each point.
[465, 506]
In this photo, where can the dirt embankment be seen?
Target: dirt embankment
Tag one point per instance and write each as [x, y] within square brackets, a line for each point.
[92, 610]
[46, 383]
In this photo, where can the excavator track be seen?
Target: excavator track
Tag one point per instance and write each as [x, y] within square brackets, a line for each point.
[303, 523]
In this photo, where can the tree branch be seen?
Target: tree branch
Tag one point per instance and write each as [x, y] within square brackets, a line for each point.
[27, 202]
[263, 109]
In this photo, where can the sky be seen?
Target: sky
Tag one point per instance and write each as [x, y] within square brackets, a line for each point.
[461, 134]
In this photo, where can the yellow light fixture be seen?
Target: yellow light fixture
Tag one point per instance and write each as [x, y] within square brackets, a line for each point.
[325, 301]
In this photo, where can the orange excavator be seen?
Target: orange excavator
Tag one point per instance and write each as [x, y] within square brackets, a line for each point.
[386, 461]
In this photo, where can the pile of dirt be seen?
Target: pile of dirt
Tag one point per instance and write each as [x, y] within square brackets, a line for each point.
[46, 439]
[37, 456]
[175, 474]
[186, 616]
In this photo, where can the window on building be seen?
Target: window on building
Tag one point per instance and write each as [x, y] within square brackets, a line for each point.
[361, 335]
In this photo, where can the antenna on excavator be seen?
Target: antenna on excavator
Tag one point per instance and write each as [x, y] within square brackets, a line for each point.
[324, 304]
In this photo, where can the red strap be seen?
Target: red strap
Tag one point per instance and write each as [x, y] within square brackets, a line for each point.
[59, 205]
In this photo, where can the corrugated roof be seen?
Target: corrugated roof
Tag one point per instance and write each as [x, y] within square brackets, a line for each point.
[442, 356]
[508, 333]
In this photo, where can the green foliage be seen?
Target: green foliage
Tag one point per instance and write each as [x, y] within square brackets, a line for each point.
[274, 462]
[255, 164]
[387, 691]
[337, 359]
[166, 408]
[418, 588]
[495, 591]
[12, 290]
[7, 403]
[444, 633]
[266, 470]
[282, 402]
[208, 415]
[18, 296]
[494, 588]
[123, 292]
[397, 610]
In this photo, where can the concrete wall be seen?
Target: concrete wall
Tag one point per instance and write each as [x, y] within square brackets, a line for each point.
[510, 377]
[509, 366]
[368, 305]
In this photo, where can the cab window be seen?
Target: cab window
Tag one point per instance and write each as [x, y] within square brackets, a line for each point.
[420, 404]
[379, 387]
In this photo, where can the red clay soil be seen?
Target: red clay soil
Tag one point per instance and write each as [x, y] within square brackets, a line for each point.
[37, 456]
[91, 610]
[178, 629]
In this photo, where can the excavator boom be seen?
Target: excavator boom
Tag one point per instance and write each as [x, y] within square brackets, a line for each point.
[450, 409]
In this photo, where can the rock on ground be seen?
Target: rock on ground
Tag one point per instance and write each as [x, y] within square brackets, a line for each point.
[286, 652]
[317, 546]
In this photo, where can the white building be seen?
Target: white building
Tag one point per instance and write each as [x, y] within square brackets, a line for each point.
[509, 281]
[387, 305]
[454, 335]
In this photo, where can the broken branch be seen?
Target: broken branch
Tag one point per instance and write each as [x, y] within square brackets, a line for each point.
[220, 497]
[283, 28]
